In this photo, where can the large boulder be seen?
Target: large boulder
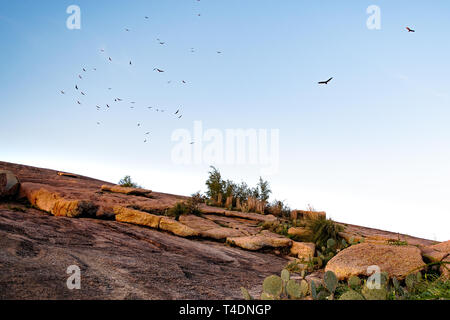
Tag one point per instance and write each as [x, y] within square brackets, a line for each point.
[9, 184]
[265, 239]
[127, 191]
[303, 250]
[237, 214]
[177, 228]
[397, 261]
[45, 199]
[209, 229]
[136, 217]
[300, 232]
[437, 253]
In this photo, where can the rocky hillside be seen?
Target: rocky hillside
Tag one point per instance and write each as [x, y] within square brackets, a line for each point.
[127, 248]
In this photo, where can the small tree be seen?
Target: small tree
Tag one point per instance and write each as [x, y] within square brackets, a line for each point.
[127, 182]
[242, 192]
[264, 190]
[229, 189]
[215, 184]
[254, 192]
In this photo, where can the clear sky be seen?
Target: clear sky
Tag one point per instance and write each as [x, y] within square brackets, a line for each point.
[371, 148]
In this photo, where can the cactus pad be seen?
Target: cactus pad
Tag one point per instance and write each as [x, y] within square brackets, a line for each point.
[273, 285]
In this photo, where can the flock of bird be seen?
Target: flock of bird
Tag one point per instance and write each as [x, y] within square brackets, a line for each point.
[177, 114]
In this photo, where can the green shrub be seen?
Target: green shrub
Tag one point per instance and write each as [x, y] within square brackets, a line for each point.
[430, 288]
[193, 203]
[279, 209]
[397, 243]
[278, 227]
[190, 206]
[322, 230]
[128, 183]
[179, 209]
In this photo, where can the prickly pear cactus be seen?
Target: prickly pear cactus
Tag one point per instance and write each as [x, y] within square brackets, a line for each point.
[331, 281]
[411, 282]
[303, 273]
[354, 282]
[313, 290]
[331, 244]
[374, 294]
[304, 288]
[319, 262]
[285, 275]
[293, 289]
[266, 296]
[245, 294]
[273, 286]
[384, 279]
[323, 295]
[396, 283]
[351, 295]
[418, 277]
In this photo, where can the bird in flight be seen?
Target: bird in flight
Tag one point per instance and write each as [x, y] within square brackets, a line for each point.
[177, 111]
[219, 52]
[180, 117]
[79, 76]
[410, 30]
[159, 70]
[62, 91]
[183, 81]
[130, 63]
[146, 17]
[109, 59]
[325, 82]
[147, 133]
[82, 93]
[84, 69]
[78, 102]
[76, 87]
[127, 30]
[107, 106]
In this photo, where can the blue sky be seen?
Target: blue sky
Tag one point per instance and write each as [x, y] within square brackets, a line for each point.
[371, 148]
